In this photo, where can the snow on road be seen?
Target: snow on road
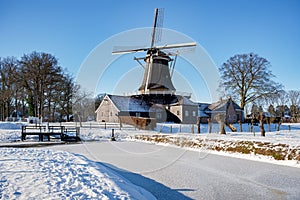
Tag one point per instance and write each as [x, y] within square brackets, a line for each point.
[45, 174]
[176, 173]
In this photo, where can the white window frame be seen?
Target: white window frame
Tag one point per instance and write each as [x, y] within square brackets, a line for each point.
[186, 113]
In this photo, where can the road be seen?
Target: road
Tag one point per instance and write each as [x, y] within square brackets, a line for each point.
[176, 173]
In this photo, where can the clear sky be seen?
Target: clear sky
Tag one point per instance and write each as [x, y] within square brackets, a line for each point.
[71, 29]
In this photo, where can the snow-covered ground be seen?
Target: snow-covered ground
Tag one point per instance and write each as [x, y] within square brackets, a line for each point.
[45, 174]
[92, 131]
[30, 173]
[40, 173]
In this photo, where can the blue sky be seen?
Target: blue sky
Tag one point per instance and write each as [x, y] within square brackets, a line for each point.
[71, 29]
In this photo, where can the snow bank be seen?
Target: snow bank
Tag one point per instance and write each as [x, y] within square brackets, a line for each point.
[44, 174]
[259, 148]
[10, 125]
[204, 128]
[9, 135]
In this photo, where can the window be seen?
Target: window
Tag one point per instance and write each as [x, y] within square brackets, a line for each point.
[137, 114]
[158, 115]
[194, 113]
[186, 113]
[110, 113]
[178, 113]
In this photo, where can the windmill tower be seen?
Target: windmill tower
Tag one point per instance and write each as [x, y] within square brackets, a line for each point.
[157, 76]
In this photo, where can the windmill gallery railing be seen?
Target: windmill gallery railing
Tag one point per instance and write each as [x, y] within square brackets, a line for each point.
[179, 93]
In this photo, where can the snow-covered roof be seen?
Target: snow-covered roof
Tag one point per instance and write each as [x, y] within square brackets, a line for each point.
[221, 105]
[129, 104]
[203, 109]
[202, 114]
[182, 100]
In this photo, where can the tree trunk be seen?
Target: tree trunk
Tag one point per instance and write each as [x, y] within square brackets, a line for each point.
[209, 125]
[222, 128]
[220, 118]
[262, 129]
[241, 126]
[278, 127]
[198, 124]
[261, 119]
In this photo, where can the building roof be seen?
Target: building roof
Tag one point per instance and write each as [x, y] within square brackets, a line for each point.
[182, 100]
[129, 104]
[221, 105]
[203, 109]
[218, 106]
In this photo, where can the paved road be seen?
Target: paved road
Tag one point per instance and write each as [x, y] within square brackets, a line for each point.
[175, 173]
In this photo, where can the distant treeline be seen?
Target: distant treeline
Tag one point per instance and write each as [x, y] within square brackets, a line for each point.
[284, 105]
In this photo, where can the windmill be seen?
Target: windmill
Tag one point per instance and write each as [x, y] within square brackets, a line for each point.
[157, 76]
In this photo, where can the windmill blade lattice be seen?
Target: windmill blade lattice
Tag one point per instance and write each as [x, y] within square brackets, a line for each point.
[157, 26]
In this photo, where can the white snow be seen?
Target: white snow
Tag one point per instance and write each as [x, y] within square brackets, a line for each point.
[10, 131]
[44, 174]
[40, 173]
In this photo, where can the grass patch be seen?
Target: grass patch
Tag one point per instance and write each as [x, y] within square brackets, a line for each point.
[277, 151]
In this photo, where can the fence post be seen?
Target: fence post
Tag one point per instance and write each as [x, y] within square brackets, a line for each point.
[241, 125]
[171, 129]
[198, 125]
[192, 128]
[41, 138]
[113, 135]
[105, 125]
[23, 133]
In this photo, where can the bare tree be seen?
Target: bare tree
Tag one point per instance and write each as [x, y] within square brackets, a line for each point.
[68, 97]
[261, 118]
[248, 77]
[282, 98]
[83, 105]
[40, 74]
[37, 86]
[8, 86]
[220, 118]
[294, 96]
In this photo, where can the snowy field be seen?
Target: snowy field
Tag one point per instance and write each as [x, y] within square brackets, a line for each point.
[92, 131]
[40, 173]
[44, 174]
[30, 173]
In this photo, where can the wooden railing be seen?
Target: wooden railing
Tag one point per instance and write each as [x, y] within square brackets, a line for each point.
[65, 134]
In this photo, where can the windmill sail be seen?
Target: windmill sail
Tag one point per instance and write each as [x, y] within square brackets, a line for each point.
[157, 77]
[157, 24]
